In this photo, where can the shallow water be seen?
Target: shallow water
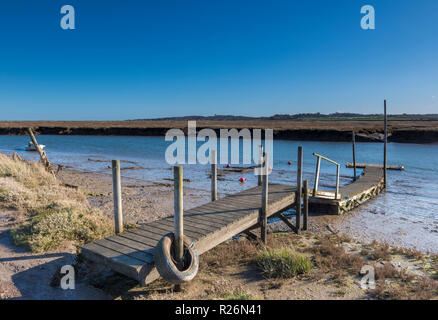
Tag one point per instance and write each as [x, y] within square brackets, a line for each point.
[406, 214]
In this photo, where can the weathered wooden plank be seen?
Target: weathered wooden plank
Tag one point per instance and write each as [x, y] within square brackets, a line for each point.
[126, 250]
[118, 262]
[369, 165]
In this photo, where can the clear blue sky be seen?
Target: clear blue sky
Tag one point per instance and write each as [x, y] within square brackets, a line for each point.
[144, 59]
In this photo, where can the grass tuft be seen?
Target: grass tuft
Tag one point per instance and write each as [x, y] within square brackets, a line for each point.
[283, 263]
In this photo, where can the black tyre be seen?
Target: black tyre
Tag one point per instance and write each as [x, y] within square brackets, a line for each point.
[166, 264]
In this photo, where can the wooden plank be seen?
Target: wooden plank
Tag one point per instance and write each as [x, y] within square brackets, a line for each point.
[126, 250]
[118, 262]
[197, 224]
[370, 165]
[187, 227]
[156, 227]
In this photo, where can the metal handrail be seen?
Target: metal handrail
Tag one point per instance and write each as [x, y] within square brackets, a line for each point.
[318, 165]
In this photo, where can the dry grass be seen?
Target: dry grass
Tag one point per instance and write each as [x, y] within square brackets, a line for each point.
[330, 255]
[55, 213]
[377, 251]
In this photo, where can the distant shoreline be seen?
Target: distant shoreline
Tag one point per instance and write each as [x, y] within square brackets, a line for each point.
[325, 130]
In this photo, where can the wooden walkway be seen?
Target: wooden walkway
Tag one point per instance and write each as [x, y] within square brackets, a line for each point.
[131, 252]
[368, 185]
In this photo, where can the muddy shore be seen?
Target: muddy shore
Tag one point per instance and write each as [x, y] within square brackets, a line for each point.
[24, 275]
[336, 131]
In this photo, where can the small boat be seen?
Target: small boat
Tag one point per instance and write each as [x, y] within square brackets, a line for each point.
[30, 146]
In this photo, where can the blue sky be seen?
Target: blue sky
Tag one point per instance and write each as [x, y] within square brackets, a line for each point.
[145, 59]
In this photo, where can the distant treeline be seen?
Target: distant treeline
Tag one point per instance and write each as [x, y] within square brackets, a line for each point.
[306, 116]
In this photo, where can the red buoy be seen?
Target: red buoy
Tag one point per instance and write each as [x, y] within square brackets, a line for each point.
[228, 165]
[289, 162]
[242, 179]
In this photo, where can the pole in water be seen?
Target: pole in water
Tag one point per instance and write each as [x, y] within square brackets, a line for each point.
[260, 177]
[178, 218]
[385, 143]
[299, 189]
[117, 194]
[354, 155]
[265, 191]
[213, 175]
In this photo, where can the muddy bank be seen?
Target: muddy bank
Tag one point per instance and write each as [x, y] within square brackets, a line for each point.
[336, 131]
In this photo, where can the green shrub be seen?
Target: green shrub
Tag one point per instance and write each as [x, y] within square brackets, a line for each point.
[283, 263]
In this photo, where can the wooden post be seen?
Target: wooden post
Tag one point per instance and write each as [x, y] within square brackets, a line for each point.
[306, 204]
[299, 188]
[385, 143]
[178, 217]
[318, 166]
[260, 177]
[43, 156]
[338, 167]
[213, 175]
[264, 219]
[117, 194]
[354, 155]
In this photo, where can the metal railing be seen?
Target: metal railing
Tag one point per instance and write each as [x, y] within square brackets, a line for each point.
[318, 166]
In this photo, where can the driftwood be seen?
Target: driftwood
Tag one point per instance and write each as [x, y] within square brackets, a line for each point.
[43, 155]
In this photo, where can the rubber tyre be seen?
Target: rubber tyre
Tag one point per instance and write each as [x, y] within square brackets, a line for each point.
[166, 265]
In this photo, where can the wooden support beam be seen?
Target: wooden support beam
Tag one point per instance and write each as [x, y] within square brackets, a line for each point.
[299, 188]
[286, 221]
[385, 145]
[178, 214]
[306, 204]
[117, 194]
[213, 175]
[260, 177]
[338, 167]
[251, 235]
[318, 167]
[354, 155]
[265, 186]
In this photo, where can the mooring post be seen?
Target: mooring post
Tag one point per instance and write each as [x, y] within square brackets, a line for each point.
[306, 204]
[299, 188]
[338, 167]
[318, 166]
[260, 177]
[178, 217]
[354, 154]
[264, 211]
[385, 143]
[117, 194]
[213, 175]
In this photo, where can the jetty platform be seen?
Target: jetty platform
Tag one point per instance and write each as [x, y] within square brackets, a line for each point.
[132, 252]
[367, 186]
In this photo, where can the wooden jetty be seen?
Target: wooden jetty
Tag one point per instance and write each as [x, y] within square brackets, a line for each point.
[368, 185]
[365, 165]
[131, 252]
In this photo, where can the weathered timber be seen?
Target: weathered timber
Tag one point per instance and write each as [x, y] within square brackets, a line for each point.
[131, 252]
[363, 165]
